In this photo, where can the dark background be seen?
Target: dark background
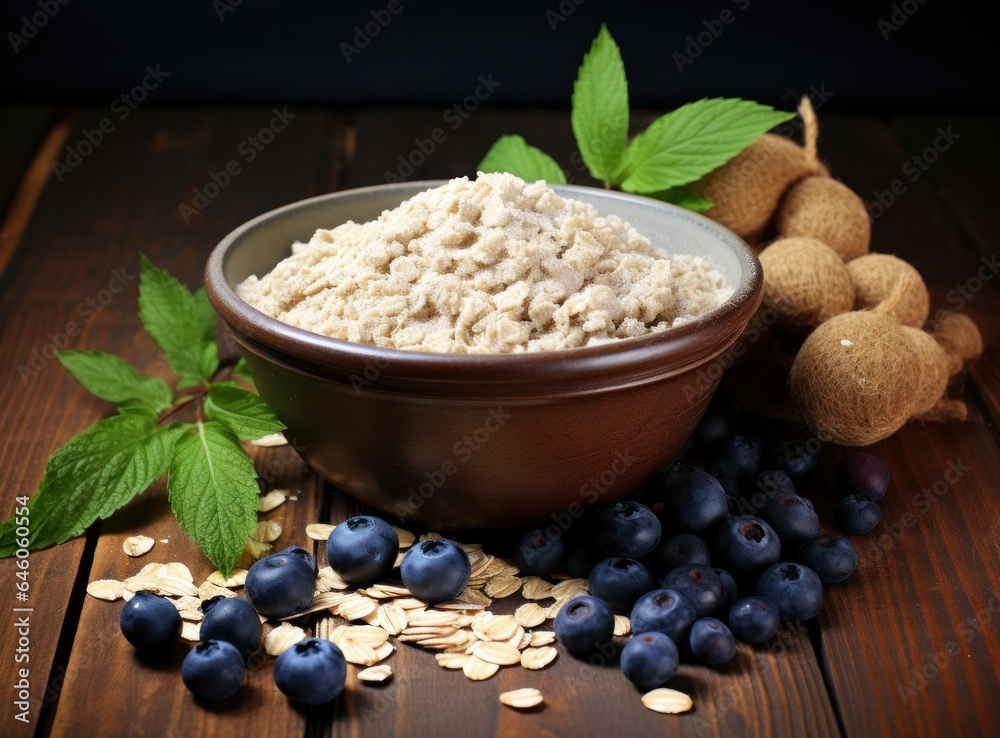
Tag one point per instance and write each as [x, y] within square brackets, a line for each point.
[940, 56]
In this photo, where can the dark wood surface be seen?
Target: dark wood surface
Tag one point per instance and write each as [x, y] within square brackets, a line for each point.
[927, 589]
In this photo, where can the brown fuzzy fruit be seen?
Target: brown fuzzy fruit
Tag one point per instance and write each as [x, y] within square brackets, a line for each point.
[960, 338]
[853, 378]
[876, 277]
[823, 208]
[805, 282]
[933, 364]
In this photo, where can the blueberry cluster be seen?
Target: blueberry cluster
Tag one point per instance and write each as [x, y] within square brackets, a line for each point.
[735, 551]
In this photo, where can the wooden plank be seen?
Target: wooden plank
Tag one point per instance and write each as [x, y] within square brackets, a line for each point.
[775, 689]
[25, 127]
[908, 645]
[80, 245]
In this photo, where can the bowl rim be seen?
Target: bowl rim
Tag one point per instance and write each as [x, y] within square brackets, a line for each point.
[662, 353]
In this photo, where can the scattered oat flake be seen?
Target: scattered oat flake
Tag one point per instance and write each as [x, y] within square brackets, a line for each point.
[538, 658]
[137, 545]
[406, 539]
[191, 615]
[496, 652]
[237, 578]
[623, 626]
[392, 618]
[375, 673]
[164, 540]
[522, 698]
[190, 631]
[266, 503]
[451, 660]
[108, 590]
[266, 531]
[668, 701]
[175, 586]
[530, 614]
[478, 670]
[542, 638]
[536, 588]
[319, 531]
[269, 441]
[321, 601]
[503, 585]
[569, 588]
[475, 597]
[208, 590]
[327, 579]
[126, 595]
[282, 638]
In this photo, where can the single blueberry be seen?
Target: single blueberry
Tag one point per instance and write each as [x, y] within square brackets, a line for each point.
[857, 515]
[864, 475]
[745, 452]
[283, 583]
[712, 642]
[362, 549]
[213, 670]
[436, 570]
[538, 553]
[796, 458]
[233, 620]
[794, 588]
[681, 548]
[150, 623]
[754, 619]
[665, 611]
[792, 518]
[769, 484]
[584, 624]
[627, 529]
[746, 543]
[312, 672]
[833, 558]
[730, 592]
[698, 584]
[649, 659]
[695, 502]
[724, 468]
[619, 582]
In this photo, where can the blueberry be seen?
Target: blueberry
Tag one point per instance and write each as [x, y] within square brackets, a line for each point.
[792, 518]
[662, 480]
[584, 623]
[150, 623]
[745, 452]
[712, 642]
[772, 483]
[539, 553]
[711, 429]
[581, 560]
[665, 611]
[730, 591]
[746, 544]
[724, 468]
[794, 588]
[627, 529]
[754, 619]
[283, 583]
[695, 502]
[857, 515]
[213, 670]
[833, 558]
[233, 620]
[312, 671]
[362, 549]
[620, 582]
[649, 659]
[794, 458]
[436, 570]
[862, 474]
[681, 548]
[698, 584]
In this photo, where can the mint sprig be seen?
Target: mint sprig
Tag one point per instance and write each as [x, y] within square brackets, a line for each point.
[677, 149]
[211, 480]
[512, 153]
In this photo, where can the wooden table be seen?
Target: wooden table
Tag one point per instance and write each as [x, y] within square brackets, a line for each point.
[909, 646]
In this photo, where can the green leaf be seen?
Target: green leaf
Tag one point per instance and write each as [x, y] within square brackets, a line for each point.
[93, 475]
[241, 411]
[688, 143]
[514, 155]
[684, 197]
[112, 378]
[600, 109]
[213, 491]
[180, 323]
[242, 372]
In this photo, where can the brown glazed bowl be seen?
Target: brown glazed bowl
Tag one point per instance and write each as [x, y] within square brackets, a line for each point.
[457, 441]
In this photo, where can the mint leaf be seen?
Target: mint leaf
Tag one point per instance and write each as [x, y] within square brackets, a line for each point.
[600, 109]
[514, 155]
[94, 474]
[242, 372]
[180, 323]
[688, 143]
[684, 197]
[213, 492]
[241, 411]
[112, 378]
